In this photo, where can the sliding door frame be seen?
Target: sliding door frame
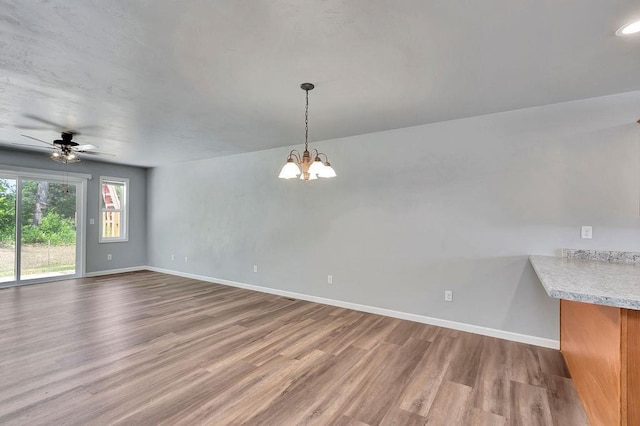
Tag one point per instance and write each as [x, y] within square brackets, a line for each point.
[78, 179]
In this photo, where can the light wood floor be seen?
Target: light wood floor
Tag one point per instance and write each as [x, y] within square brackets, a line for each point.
[147, 348]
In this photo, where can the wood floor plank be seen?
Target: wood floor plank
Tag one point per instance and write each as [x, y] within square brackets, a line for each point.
[387, 379]
[478, 417]
[175, 405]
[340, 339]
[330, 407]
[464, 366]
[450, 405]
[284, 338]
[115, 403]
[43, 409]
[421, 390]
[377, 333]
[530, 405]
[493, 384]
[295, 404]
[524, 364]
[259, 387]
[399, 417]
[327, 330]
[348, 421]
[560, 393]
[402, 332]
[149, 348]
[263, 395]
[426, 332]
[551, 364]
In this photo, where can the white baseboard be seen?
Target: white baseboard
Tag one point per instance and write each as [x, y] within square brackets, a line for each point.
[485, 331]
[116, 271]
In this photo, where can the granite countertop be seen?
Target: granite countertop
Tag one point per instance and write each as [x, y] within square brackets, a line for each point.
[590, 281]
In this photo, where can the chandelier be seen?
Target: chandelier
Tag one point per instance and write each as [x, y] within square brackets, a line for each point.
[302, 165]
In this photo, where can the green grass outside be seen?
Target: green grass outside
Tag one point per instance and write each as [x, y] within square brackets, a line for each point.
[38, 259]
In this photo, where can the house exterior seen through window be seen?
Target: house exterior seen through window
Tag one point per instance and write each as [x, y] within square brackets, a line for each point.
[114, 200]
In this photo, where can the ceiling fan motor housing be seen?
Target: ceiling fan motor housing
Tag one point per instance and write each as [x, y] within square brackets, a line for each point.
[66, 140]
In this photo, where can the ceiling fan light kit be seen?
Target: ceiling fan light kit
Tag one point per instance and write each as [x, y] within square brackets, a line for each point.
[301, 164]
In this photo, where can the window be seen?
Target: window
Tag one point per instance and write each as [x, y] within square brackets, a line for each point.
[114, 209]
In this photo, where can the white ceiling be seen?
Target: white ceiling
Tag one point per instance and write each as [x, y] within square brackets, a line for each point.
[172, 81]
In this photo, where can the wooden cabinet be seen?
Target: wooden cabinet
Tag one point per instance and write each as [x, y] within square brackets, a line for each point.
[601, 345]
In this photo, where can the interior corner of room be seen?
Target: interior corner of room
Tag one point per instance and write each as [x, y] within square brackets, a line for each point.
[422, 169]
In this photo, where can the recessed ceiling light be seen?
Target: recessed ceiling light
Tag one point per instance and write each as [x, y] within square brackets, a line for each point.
[629, 29]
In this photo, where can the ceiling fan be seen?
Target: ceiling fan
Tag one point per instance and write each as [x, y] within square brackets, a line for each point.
[65, 150]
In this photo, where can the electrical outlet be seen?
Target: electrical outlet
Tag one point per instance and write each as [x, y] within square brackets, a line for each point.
[255, 268]
[587, 232]
[186, 259]
[173, 256]
[448, 296]
[92, 221]
[329, 279]
[109, 256]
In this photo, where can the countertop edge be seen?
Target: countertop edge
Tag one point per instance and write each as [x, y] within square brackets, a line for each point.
[578, 296]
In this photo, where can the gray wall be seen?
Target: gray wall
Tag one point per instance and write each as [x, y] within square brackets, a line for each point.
[125, 254]
[456, 205]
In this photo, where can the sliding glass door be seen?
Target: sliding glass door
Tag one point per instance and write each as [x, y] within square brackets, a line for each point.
[48, 218]
[40, 237]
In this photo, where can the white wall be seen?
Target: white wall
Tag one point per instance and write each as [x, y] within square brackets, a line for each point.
[455, 205]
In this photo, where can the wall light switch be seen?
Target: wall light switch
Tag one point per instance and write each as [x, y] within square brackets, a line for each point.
[255, 268]
[448, 296]
[173, 256]
[92, 221]
[587, 232]
[329, 279]
[186, 259]
[109, 256]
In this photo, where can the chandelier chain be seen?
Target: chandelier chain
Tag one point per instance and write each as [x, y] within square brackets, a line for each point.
[306, 123]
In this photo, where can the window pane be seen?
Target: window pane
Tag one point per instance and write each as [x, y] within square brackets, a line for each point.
[111, 225]
[111, 196]
[113, 209]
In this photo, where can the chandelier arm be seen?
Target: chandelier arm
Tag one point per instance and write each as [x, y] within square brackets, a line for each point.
[325, 156]
[295, 154]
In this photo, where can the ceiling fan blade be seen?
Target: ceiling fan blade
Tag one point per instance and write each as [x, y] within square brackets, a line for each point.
[39, 140]
[33, 127]
[45, 121]
[58, 127]
[28, 145]
[85, 147]
[97, 153]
